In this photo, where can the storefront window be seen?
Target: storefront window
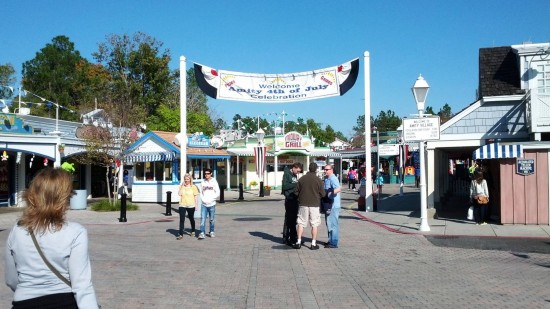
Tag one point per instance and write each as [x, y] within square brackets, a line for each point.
[153, 171]
[140, 171]
[168, 171]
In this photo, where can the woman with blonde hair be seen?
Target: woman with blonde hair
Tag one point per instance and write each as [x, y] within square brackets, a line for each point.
[479, 192]
[47, 262]
[188, 193]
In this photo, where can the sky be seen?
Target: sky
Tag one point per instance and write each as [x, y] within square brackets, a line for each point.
[438, 39]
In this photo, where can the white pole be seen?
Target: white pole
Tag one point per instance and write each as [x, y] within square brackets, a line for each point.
[368, 163]
[183, 117]
[424, 226]
[401, 159]
[228, 173]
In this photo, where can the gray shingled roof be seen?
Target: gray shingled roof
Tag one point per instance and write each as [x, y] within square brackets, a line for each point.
[498, 72]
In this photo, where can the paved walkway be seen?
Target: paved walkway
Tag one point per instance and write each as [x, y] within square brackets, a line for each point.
[382, 262]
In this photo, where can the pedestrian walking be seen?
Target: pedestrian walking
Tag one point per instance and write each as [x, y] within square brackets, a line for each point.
[188, 193]
[47, 263]
[290, 180]
[210, 191]
[332, 191]
[310, 190]
[352, 178]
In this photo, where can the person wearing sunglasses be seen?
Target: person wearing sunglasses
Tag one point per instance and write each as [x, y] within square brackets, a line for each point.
[332, 189]
[210, 191]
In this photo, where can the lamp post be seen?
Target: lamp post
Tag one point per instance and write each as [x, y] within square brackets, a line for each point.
[260, 159]
[420, 92]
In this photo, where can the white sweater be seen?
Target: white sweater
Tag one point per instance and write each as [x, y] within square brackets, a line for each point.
[67, 251]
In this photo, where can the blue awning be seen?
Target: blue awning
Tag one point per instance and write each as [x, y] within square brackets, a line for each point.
[498, 151]
[149, 157]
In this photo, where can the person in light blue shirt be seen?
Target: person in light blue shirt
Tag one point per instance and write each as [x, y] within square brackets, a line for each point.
[332, 189]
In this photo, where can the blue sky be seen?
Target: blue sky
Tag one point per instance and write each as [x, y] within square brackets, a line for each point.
[438, 39]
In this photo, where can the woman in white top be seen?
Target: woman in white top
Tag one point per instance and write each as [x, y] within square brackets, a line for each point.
[64, 245]
[479, 188]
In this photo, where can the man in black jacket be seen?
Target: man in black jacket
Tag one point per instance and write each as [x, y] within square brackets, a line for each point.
[290, 179]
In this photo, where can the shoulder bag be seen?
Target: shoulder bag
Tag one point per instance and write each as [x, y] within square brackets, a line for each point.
[50, 266]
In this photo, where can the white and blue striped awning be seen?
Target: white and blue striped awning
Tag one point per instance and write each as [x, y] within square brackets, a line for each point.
[150, 157]
[498, 151]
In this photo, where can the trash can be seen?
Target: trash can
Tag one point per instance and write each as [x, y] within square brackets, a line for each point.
[79, 200]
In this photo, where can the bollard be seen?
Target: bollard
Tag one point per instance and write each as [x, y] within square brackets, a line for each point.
[168, 203]
[241, 191]
[222, 189]
[261, 189]
[122, 208]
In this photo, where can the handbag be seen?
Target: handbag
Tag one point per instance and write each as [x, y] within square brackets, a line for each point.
[482, 200]
[50, 266]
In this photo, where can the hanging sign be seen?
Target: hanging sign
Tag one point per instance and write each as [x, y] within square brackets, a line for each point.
[277, 88]
[525, 167]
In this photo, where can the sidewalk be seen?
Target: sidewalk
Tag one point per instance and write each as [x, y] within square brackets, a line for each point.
[382, 261]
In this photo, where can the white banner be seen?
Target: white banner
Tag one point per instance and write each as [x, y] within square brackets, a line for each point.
[277, 88]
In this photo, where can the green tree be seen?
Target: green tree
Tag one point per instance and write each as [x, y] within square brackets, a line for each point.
[7, 80]
[445, 113]
[200, 122]
[387, 121]
[140, 78]
[429, 110]
[54, 74]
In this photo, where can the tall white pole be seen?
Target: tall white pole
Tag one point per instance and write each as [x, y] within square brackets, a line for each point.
[401, 163]
[424, 226]
[368, 163]
[183, 117]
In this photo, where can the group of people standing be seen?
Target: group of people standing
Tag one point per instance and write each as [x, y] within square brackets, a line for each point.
[302, 204]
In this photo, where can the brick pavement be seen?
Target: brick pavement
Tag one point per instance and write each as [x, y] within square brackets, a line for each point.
[139, 264]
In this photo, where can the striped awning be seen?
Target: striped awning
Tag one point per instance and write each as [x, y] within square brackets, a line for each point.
[498, 151]
[150, 157]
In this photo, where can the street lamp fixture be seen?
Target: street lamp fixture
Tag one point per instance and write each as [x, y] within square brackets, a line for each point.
[420, 92]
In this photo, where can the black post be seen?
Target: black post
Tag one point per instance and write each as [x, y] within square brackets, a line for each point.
[261, 189]
[241, 191]
[122, 208]
[168, 203]
[222, 199]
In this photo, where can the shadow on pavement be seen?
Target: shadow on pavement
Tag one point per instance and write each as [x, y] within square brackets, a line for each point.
[267, 237]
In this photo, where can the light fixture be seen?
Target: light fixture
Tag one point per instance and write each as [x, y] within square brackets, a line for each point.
[420, 92]
[260, 134]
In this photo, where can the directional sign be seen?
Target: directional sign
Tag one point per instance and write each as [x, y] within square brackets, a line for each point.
[388, 150]
[421, 129]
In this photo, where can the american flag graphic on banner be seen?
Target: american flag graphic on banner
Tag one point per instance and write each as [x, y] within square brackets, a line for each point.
[259, 154]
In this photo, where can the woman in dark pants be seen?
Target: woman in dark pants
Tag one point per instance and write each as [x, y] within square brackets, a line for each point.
[478, 189]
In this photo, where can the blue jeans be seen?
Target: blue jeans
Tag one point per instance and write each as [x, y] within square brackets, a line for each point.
[332, 226]
[208, 211]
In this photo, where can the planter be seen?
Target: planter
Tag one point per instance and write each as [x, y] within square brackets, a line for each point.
[79, 200]
[267, 192]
